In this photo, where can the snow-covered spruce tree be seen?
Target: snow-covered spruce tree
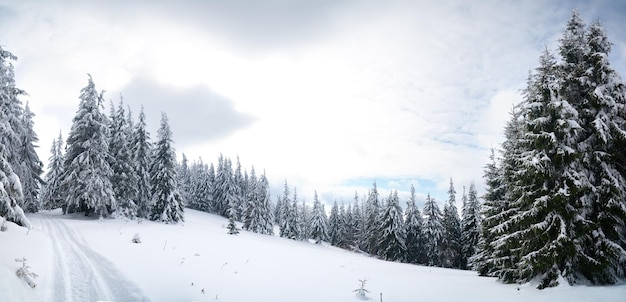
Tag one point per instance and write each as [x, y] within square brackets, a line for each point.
[358, 217]
[392, 243]
[184, 180]
[601, 95]
[51, 195]
[258, 214]
[11, 195]
[166, 200]
[31, 168]
[334, 226]
[470, 225]
[87, 173]
[346, 222]
[415, 243]
[549, 183]
[450, 247]
[304, 212]
[372, 224]
[288, 222]
[263, 195]
[141, 154]
[240, 190]
[294, 216]
[124, 179]
[200, 196]
[229, 192]
[232, 212]
[211, 190]
[277, 210]
[251, 217]
[223, 177]
[433, 231]
[318, 222]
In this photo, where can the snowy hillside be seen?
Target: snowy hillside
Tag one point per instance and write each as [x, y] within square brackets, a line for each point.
[80, 259]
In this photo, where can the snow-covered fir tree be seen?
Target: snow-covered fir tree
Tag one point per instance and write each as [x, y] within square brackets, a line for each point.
[547, 179]
[433, 231]
[124, 179]
[263, 195]
[318, 222]
[251, 217]
[294, 216]
[450, 246]
[87, 173]
[601, 145]
[346, 226]
[31, 168]
[10, 187]
[232, 213]
[392, 240]
[470, 225]
[166, 200]
[200, 195]
[334, 226]
[184, 179]
[239, 184]
[415, 243]
[288, 221]
[358, 217]
[141, 153]
[372, 224]
[223, 181]
[304, 214]
[52, 194]
[258, 214]
[563, 214]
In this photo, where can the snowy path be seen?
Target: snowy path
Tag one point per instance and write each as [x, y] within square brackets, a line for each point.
[80, 273]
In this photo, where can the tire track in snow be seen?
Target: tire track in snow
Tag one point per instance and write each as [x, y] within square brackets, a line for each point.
[81, 274]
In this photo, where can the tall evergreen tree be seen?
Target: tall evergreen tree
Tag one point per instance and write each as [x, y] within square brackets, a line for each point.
[87, 173]
[451, 241]
[392, 241]
[334, 225]
[52, 197]
[167, 201]
[200, 195]
[372, 224]
[263, 195]
[124, 178]
[11, 195]
[295, 217]
[601, 143]
[252, 217]
[288, 221]
[415, 243]
[433, 231]
[470, 225]
[318, 222]
[184, 180]
[31, 168]
[141, 153]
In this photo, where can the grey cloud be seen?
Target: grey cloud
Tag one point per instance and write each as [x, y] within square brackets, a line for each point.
[252, 26]
[196, 114]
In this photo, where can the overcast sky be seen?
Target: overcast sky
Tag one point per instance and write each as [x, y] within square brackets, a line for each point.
[330, 95]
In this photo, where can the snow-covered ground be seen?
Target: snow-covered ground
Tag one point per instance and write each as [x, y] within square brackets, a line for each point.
[79, 259]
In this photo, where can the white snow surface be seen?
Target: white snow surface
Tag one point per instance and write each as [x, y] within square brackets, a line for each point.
[83, 259]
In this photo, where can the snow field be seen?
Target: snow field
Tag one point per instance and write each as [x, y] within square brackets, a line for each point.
[248, 267]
